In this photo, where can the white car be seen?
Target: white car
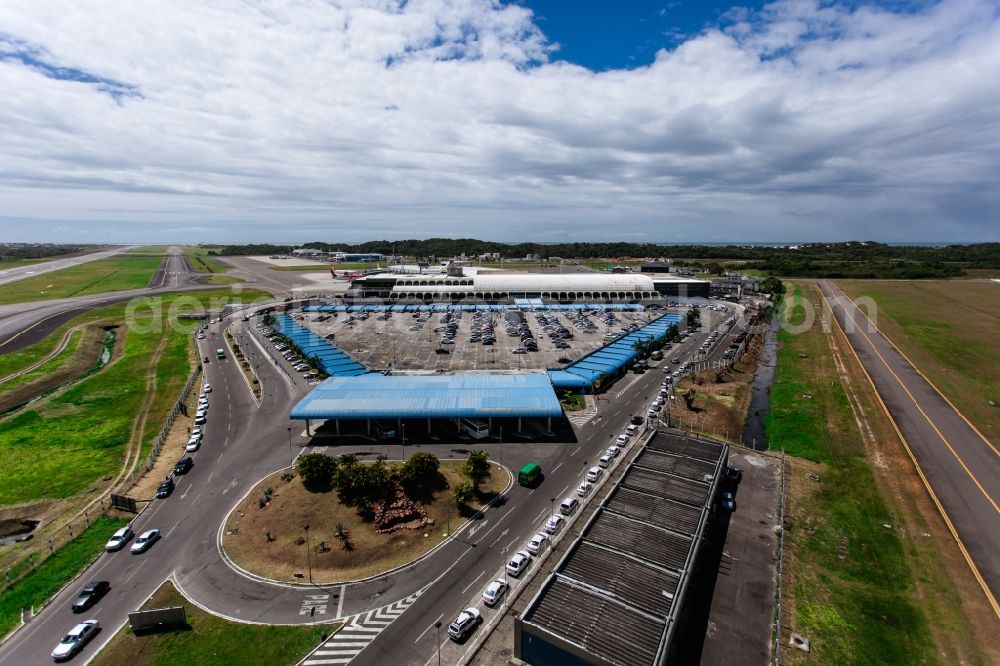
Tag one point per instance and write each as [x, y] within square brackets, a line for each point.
[144, 541]
[518, 563]
[613, 451]
[631, 430]
[200, 419]
[464, 624]
[207, 388]
[495, 591]
[193, 444]
[74, 641]
[622, 440]
[537, 543]
[119, 539]
[594, 473]
[604, 461]
[554, 523]
[583, 489]
[196, 432]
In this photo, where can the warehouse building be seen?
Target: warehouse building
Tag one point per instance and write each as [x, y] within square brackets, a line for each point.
[615, 596]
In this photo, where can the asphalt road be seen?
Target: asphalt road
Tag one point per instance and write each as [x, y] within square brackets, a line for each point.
[243, 443]
[21, 272]
[961, 467]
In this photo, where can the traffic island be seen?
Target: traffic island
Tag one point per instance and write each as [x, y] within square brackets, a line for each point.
[358, 520]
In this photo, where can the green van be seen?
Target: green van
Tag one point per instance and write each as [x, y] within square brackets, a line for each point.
[530, 475]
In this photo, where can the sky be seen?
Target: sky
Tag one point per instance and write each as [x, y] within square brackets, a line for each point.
[286, 121]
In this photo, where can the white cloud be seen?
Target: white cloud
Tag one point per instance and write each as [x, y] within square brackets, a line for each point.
[438, 117]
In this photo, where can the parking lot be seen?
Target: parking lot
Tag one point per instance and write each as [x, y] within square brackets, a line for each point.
[463, 341]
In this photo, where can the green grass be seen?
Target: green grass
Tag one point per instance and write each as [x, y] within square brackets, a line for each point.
[223, 279]
[313, 267]
[148, 249]
[853, 581]
[17, 360]
[48, 367]
[61, 446]
[208, 639]
[96, 277]
[201, 261]
[54, 572]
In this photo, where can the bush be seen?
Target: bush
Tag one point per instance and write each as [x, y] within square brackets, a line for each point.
[421, 470]
[317, 472]
[461, 493]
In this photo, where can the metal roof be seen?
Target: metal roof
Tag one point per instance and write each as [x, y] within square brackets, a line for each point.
[335, 362]
[377, 396]
[631, 561]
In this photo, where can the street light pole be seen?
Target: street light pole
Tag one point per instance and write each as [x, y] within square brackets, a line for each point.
[501, 446]
[437, 626]
[308, 554]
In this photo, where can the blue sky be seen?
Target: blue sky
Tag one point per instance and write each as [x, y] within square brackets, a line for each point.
[602, 34]
[795, 120]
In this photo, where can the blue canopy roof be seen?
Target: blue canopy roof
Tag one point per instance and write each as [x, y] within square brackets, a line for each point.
[334, 361]
[377, 396]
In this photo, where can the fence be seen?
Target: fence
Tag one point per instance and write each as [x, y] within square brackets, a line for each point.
[781, 566]
[161, 438]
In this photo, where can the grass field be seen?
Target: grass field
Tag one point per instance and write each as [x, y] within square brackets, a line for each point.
[201, 261]
[148, 249]
[48, 367]
[64, 444]
[113, 274]
[208, 639]
[313, 268]
[948, 329]
[292, 506]
[861, 592]
[853, 581]
[54, 572]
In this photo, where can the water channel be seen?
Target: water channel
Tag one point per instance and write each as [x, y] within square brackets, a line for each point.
[754, 432]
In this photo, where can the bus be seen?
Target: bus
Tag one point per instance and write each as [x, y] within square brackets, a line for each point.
[221, 353]
[530, 475]
[475, 428]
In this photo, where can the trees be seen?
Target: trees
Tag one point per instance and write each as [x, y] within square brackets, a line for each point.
[673, 332]
[420, 472]
[477, 468]
[317, 472]
[693, 316]
[461, 493]
[772, 285]
[714, 268]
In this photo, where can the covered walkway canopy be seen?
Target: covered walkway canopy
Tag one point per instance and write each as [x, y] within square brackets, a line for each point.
[376, 396]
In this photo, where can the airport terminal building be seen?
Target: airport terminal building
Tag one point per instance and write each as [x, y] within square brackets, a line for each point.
[499, 287]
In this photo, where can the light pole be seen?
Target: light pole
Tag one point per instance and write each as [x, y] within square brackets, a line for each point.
[308, 554]
[501, 446]
[553, 501]
[437, 626]
[290, 457]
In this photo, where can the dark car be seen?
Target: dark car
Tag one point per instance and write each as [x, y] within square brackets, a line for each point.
[727, 502]
[734, 474]
[183, 465]
[165, 488]
[90, 595]
[206, 359]
[637, 419]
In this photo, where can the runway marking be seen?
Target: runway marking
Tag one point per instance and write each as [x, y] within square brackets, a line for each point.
[920, 472]
[922, 412]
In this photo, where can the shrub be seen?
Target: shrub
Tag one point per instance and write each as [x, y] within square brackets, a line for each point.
[317, 472]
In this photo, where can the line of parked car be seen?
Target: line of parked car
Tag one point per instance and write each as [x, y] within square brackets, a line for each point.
[286, 352]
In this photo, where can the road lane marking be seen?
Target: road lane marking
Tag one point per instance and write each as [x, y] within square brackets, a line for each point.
[429, 627]
[556, 467]
[466, 589]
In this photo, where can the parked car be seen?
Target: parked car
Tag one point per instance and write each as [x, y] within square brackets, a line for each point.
[583, 489]
[74, 641]
[495, 591]
[727, 501]
[183, 465]
[90, 595]
[604, 461]
[734, 474]
[537, 543]
[613, 451]
[207, 388]
[568, 506]
[144, 541]
[193, 444]
[119, 539]
[464, 624]
[554, 523]
[594, 473]
[518, 563]
[165, 488]
[631, 430]
[621, 440]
